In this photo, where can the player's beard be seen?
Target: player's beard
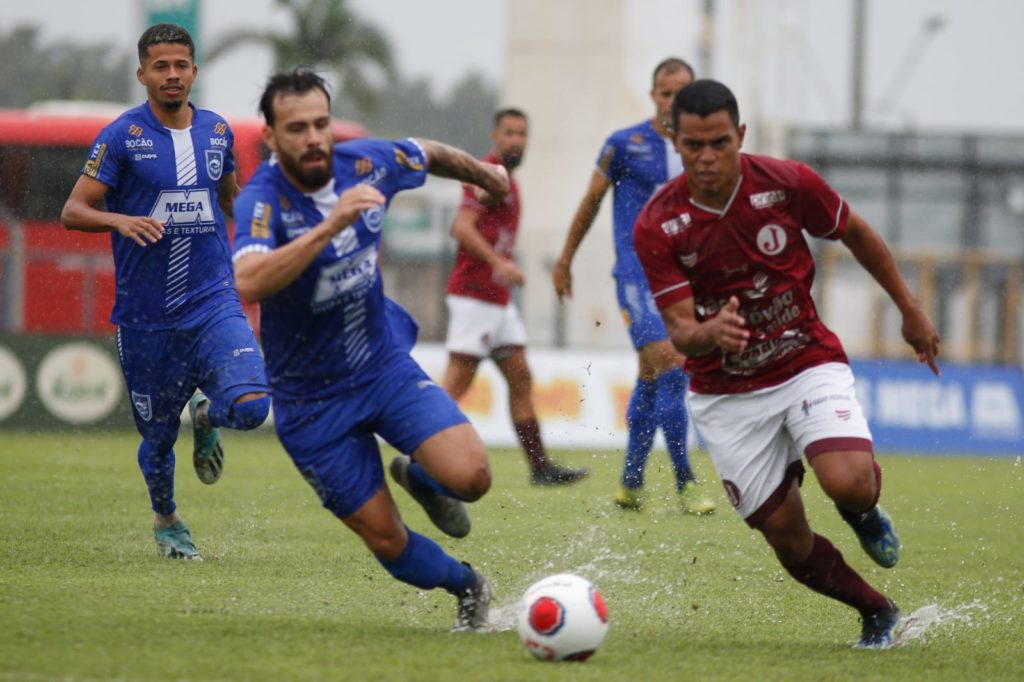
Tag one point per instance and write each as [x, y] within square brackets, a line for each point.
[312, 178]
[512, 158]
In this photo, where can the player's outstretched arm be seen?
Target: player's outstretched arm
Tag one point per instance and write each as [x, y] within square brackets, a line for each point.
[726, 330]
[871, 252]
[561, 277]
[79, 213]
[446, 161]
[259, 275]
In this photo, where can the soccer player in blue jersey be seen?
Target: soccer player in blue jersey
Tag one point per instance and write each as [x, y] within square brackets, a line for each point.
[637, 160]
[166, 172]
[309, 233]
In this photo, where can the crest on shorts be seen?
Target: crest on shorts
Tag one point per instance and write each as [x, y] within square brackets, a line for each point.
[143, 405]
[733, 492]
[214, 163]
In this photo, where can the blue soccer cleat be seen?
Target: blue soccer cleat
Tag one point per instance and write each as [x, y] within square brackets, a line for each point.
[175, 542]
[877, 536]
[207, 451]
[879, 629]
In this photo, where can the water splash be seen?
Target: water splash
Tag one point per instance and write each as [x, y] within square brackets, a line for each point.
[923, 623]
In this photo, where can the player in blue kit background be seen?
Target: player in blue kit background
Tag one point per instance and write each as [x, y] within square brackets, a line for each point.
[166, 172]
[637, 160]
[307, 246]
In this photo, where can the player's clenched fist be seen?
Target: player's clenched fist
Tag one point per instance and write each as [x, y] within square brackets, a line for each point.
[354, 201]
[728, 328]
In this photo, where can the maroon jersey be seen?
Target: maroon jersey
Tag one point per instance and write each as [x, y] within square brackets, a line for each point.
[497, 223]
[753, 249]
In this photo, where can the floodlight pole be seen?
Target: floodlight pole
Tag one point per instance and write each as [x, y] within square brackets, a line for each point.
[860, 10]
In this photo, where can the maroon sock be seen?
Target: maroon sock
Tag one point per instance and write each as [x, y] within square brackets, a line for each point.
[529, 437]
[825, 572]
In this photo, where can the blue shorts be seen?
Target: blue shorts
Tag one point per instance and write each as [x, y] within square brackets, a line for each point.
[331, 440]
[162, 369]
[640, 312]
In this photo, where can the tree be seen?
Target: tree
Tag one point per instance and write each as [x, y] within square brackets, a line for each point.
[30, 71]
[325, 34]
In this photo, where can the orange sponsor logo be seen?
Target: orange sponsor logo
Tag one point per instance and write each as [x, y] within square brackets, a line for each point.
[220, 128]
[558, 398]
[134, 130]
[364, 166]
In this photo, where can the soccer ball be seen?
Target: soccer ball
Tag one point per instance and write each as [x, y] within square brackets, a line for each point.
[562, 618]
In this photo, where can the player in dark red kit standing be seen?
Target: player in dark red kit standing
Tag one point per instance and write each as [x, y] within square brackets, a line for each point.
[724, 252]
[483, 320]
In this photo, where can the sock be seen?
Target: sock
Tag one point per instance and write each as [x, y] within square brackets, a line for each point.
[529, 437]
[156, 460]
[855, 517]
[421, 480]
[642, 421]
[425, 565]
[241, 416]
[825, 572]
[670, 406]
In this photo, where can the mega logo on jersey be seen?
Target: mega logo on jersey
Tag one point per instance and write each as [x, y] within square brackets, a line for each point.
[176, 207]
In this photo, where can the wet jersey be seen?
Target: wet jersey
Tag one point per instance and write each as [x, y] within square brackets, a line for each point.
[638, 161]
[332, 328]
[173, 176]
[497, 224]
[753, 249]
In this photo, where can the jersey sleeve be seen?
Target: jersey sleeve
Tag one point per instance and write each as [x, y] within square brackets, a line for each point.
[255, 218]
[106, 159]
[823, 213]
[407, 162]
[668, 281]
[609, 160]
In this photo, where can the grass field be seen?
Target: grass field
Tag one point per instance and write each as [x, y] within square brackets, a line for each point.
[287, 593]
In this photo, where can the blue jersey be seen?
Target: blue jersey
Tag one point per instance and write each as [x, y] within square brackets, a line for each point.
[173, 176]
[638, 161]
[332, 328]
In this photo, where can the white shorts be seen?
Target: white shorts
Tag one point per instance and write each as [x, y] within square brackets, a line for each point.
[756, 439]
[476, 327]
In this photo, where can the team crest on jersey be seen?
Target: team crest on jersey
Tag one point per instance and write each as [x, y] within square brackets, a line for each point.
[143, 405]
[134, 130]
[364, 166]
[220, 128]
[214, 163]
[373, 218]
[771, 240]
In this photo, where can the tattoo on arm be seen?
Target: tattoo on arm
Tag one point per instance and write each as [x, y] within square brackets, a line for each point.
[448, 162]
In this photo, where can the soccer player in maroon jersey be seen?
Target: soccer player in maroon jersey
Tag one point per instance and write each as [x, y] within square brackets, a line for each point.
[730, 270]
[483, 318]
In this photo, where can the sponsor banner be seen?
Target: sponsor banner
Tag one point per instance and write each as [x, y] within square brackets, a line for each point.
[970, 409]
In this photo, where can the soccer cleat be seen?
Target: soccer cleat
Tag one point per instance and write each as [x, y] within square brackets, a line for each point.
[693, 500]
[630, 498]
[553, 474]
[175, 542]
[447, 513]
[878, 629]
[877, 536]
[474, 605]
[207, 451]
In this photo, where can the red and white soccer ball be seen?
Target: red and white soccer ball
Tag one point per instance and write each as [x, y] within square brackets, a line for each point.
[562, 618]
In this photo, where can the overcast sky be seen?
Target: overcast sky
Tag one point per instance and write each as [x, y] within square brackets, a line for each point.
[962, 75]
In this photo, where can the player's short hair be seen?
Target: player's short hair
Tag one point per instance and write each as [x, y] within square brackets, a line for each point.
[704, 97]
[670, 66]
[165, 33]
[295, 82]
[502, 114]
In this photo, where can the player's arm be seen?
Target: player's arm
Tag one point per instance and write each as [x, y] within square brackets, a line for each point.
[259, 275]
[446, 161]
[871, 252]
[465, 231]
[726, 330]
[581, 224]
[227, 190]
[80, 213]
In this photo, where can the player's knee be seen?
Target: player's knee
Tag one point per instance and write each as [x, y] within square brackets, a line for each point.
[477, 481]
[247, 415]
[855, 490]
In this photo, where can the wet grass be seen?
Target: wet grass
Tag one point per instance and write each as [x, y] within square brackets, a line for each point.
[287, 593]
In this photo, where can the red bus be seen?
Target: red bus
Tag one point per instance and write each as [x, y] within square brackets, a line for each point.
[59, 281]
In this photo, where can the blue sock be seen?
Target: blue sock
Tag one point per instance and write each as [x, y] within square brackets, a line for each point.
[425, 565]
[156, 460]
[670, 407]
[419, 478]
[642, 423]
[241, 416]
